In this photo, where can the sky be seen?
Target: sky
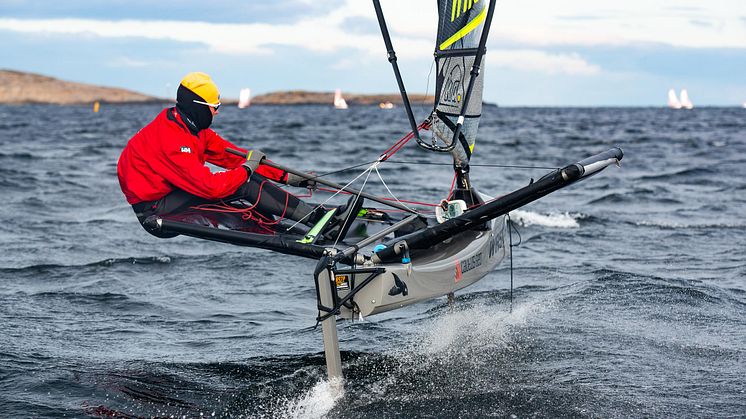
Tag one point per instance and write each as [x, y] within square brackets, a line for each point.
[540, 52]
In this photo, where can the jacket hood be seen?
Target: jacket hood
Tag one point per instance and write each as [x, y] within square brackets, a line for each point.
[196, 115]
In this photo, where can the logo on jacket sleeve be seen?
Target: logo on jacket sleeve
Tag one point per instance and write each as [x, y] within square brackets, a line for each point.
[185, 149]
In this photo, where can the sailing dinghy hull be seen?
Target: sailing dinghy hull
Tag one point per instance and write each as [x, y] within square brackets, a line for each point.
[447, 267]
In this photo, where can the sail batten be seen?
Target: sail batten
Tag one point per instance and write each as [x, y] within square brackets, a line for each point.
[465, 30]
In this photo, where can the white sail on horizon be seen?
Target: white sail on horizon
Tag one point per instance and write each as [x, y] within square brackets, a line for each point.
[685, 101]
[673, 101]
[244, 98]
[339, 101]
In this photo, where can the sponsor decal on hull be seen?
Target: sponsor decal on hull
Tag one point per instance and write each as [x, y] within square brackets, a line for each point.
[471, 263]
[497, 242]
[342, 281]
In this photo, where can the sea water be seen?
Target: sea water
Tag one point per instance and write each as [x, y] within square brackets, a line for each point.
[629, 299]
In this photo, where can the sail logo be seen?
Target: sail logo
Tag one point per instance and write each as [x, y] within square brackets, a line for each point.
[461, 6]
[453, 87]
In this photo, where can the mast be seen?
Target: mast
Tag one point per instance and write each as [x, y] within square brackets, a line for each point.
[395, 66]
[463, 29]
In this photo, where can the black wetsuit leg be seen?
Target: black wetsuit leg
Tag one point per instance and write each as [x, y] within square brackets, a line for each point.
[272, 201]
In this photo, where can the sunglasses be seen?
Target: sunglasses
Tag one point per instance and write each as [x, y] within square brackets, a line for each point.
[214, 106]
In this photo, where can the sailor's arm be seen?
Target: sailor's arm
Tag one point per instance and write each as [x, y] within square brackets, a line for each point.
[216, 154]
[184, 170]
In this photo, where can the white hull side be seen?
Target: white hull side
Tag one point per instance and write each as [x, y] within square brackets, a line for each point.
[433, 275]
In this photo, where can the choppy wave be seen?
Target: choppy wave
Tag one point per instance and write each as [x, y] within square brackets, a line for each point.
[681, 175]
[629, 297]
[314, 403]
[106, 262]
[683, 225]
[556, 220]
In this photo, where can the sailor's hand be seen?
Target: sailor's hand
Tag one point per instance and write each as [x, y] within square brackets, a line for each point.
[254, 159]
[301, 182]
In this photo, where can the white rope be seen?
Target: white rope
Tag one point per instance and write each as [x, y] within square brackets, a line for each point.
[371, 167]
[357, 197]
[369, 170]
[392, 194]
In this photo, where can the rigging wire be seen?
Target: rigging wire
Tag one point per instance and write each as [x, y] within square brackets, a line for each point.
[357, 197]
[373, 165]
[389, 190]
[312, 176]
[427, 87]
[518, 232]
[510, 240]
[345, 169]
[506, 166]
[512, 227]
[403, 201]
[336, 193]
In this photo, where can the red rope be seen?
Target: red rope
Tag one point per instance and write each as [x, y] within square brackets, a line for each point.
[398, 145]
[248, 213]
[402, 141]
[453, 183]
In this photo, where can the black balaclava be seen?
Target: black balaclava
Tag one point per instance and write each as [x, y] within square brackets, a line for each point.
[196, 115]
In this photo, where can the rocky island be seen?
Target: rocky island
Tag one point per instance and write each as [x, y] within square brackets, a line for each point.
[18, 88]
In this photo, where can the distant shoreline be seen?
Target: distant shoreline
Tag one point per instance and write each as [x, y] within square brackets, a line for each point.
[21, 88]
[17, 88]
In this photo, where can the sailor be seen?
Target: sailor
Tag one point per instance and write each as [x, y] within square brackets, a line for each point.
[162, 169]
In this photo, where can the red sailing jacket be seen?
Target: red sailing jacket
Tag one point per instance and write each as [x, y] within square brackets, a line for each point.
[164, 156]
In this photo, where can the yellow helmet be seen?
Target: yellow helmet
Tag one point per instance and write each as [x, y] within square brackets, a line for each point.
[202, 85]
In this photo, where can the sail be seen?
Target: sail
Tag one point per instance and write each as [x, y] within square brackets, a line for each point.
[673, 101]
[244, 98]
[460, 25]
[339, 101]
[686, 103]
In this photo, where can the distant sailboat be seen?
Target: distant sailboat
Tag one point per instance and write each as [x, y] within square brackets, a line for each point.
[244, 98]
[685, 102]
[744, 105]
[673, 101]
[339, 101]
